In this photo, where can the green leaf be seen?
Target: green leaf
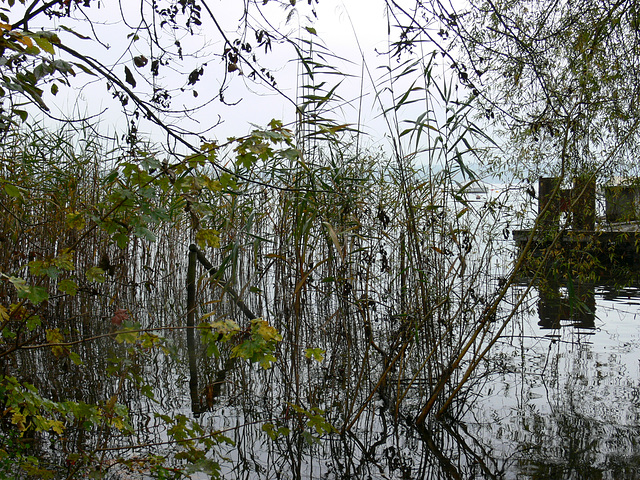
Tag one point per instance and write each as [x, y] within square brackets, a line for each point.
[33, 294]
[12, 191]
[95, 274]
[36, 295]
[126, 336]
[122, 240]
[21, 113]
[266, 331]
[32, 322]
[147, 391]
[20, 284]
[44, 44]
[316, 353]
[270, 430]
[273, 432]
[204, 465]
[64, 261]
[75, 358]
[196, 160]
[143, 232]
[225, 329]
[266, 361]
[228, 182]
[68, 286]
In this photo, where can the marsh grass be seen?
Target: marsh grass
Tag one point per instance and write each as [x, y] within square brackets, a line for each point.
[373, 266]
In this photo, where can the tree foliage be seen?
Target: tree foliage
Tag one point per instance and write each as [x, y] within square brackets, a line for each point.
[560, 79]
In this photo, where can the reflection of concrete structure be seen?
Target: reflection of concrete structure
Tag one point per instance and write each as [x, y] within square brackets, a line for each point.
[556, 310]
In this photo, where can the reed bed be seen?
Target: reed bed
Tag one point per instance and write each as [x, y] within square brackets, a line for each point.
[374, 270]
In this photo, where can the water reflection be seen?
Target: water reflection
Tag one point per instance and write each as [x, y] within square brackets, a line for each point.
[559, 406]
[559, 306]
[566, 405]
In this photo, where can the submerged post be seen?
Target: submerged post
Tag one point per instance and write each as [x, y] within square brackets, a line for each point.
[212, 390]
[191, 344]
[227, 288]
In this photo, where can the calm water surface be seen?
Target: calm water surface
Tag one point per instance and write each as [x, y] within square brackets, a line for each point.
[558, 398]
[563, 399]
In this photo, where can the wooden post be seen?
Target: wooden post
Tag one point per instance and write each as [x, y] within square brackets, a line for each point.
[213, 390]
[227, 288]
[191, 344]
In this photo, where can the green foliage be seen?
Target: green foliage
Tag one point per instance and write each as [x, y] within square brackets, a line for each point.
[275, 432]
[35, 294]
[316, 423]
[259, 145]
[562, 81]
[256, 344]
[360, 254]
[31, 413]
[33, 53]
[260, 346]
[195, 446]
[316, 353]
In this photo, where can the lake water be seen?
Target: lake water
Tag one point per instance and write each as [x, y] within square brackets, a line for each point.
[549, 403]
[565, 399]
[557, 397]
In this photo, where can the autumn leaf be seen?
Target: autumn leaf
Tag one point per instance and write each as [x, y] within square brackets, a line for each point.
[208, 238]
[226, 328]
[54, 336]
[24, 40]
[128, 77]
[121, 315]
[140, 61]
[19, 420]
[55, 425]
[75, 220]
[266, 331]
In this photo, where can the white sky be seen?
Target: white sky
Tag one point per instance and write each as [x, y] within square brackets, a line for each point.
[338, 25]
[343, 26]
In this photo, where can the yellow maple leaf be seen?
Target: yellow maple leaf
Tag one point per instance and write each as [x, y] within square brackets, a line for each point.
[227, 328]
[24, 40]
[57, 426]
[267, 332]
[20, 420]
[117, 423]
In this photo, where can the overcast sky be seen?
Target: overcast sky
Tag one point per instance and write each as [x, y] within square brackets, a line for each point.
[344, 27]
[355, 31]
